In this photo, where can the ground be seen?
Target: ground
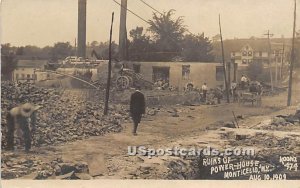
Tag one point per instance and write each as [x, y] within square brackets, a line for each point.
[107, 156]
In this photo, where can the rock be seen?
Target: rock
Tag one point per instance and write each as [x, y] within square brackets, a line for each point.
[229, 125]
[83, 176]
[240, 137]
[69, 175]
[70, 110]
[278, 121]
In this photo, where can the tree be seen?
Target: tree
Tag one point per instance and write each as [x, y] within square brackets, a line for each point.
[197, 48]
[8, 61]
[255, 71]
[168, 34]
[140, 45]
[32, 52]
[61, 50]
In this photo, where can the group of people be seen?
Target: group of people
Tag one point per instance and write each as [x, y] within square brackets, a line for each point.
[161, 84]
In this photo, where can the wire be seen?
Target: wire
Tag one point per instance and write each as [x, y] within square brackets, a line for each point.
[175, 42]
[132, 12]
[159, 12]
[151, 7]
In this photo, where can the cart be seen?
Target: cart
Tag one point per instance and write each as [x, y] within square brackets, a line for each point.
[248, 97]
[128, 78]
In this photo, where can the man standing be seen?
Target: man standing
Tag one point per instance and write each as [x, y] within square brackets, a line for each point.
[233, 91]
[204, 91]
[18, 118]
[137, 108]
[244, 81]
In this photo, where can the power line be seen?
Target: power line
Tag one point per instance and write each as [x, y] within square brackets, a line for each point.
[151, 7]
[132, 12]
[160, 12]
[144, 20]
[172, 39]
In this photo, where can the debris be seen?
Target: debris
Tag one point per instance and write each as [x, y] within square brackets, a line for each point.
[83, 176]
[240, 137]
[63, 117]
[69, 175]
[229, 125]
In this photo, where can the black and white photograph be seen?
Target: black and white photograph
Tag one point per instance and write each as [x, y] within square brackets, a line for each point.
[97, 90]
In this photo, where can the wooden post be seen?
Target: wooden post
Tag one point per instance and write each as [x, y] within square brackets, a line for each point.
[109, 69]
[276, 69]
[282, 60]
[223, 60]
[292, 60]
[235, 66]
[229, 74]
[270, 59]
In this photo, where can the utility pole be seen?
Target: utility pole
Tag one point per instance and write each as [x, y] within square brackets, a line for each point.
[282, 60]
[75, 47]
[109, 69]
[123, 31]
[276, 53]
[292, 60]
[223, 60]
[269, 56]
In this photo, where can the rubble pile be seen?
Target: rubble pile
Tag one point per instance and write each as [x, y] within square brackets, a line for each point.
[63, 117]
[282, 123]
[264, 140]
[32, 168]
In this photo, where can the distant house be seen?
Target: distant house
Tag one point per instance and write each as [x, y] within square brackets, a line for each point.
[247, 51]
[257, 52]
[30, 70]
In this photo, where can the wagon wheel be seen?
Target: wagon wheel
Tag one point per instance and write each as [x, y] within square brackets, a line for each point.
[122, 82]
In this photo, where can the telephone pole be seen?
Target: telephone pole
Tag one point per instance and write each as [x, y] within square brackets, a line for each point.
[282, 59]
[270, 59]
[223, 60]
[292, 60]
[105, 112]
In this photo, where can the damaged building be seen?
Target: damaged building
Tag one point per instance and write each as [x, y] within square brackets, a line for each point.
[179, 74]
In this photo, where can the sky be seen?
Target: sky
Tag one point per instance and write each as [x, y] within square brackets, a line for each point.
[45, 22]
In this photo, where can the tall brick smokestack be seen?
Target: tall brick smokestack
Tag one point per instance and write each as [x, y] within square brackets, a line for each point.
[123, 31]
[81, 49]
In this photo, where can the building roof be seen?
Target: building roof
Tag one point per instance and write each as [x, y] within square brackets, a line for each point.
[32, 63]
[258, 45]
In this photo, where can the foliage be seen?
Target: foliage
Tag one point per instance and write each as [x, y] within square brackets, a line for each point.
[102, 50]
[61, 50]
[140, 46]
[197, 48]
[8, 61]
[255, 71]
[168, 34]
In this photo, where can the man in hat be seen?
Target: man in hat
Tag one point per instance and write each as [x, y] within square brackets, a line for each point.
[137, 108]
[18, 118]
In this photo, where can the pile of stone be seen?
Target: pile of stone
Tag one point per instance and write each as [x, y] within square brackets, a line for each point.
[64, 116]
[31, 168]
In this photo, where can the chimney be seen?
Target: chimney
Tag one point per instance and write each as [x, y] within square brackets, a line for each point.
[123, 32]
[81, 49]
